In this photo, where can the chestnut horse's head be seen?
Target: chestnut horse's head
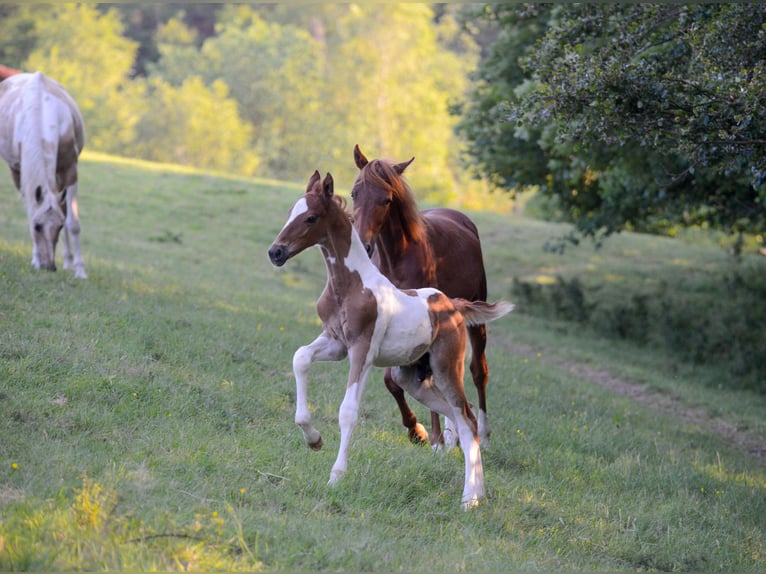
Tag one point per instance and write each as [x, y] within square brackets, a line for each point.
[307, 222]
[381, 196]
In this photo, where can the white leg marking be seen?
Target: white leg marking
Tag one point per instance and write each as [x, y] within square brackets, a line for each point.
[450, 434]
[473, 488]
[348, 415]
[323, 348]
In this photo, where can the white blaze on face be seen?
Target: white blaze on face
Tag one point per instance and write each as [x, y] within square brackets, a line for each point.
[301, 206]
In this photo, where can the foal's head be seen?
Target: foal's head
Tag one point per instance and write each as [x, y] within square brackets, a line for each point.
[310, 220]
[46, 218]
[381, 197]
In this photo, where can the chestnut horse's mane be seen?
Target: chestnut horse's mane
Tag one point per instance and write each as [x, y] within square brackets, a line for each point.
[404, 210]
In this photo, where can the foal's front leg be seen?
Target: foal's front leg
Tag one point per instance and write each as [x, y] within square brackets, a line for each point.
[323, 348]
[348, 415]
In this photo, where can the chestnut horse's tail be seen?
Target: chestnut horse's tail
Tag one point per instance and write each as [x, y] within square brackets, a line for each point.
[480, 312]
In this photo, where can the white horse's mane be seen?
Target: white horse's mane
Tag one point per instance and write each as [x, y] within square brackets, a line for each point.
[39, 140]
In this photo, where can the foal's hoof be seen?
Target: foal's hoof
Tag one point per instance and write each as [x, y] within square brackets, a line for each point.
[316, 445]
[418, 434]
[470, 503]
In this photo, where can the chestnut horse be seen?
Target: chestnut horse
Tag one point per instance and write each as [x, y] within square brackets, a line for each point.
[432, 248]
[41, 137]
[365, 317]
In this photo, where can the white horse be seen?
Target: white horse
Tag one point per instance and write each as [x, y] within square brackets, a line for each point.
[41, 137]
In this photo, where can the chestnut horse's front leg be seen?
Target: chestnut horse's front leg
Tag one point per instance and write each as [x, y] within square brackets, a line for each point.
[323, 348]
[417, 432]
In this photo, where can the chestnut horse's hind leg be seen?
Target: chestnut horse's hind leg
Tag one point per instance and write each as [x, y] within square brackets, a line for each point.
[416, 431]
[480, 374]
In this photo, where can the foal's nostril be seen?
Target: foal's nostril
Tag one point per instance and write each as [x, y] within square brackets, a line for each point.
[277, 254]
[370, 248]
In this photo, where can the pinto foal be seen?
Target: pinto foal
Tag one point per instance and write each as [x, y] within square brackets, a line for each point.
[366, 318]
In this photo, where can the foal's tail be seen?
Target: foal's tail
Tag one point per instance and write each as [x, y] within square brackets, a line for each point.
[480, 312]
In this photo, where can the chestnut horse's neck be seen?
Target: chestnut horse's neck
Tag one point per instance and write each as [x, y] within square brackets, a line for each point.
[403, 247]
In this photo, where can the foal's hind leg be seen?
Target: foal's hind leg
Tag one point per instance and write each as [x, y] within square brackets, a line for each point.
[480, 374]
[416, 431]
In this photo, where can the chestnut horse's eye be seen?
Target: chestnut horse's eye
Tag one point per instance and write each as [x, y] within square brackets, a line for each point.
[386, 202]
[311, 219]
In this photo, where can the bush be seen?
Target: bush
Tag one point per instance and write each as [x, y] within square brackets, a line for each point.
[725, 326]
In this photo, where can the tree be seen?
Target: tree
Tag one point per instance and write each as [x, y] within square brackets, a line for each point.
[646, 115]
[196, 125]
[395, 82]
[273, 72]
[85, 51]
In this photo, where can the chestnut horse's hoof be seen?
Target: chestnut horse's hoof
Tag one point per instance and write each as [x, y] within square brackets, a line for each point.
[418, 434]
[316, 445]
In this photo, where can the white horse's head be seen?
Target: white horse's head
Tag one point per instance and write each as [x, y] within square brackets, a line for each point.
[46, 219]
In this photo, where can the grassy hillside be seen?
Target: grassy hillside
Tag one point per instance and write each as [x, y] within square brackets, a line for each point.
[146, 413]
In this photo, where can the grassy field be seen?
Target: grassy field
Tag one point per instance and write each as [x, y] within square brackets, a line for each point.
[146, 414]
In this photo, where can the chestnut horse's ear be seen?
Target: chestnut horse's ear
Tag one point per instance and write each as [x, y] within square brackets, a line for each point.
[315, 177]
[328, 186]
[359, 158]
[400, 167]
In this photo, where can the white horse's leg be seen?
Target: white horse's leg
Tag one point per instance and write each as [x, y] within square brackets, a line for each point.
[72, 227]
[35, 254]
[323, 348]
[348, 415]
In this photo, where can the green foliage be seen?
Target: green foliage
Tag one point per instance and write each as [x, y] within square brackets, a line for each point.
[635, 116]
[85, 51]
[693, 327]
[194, 124]
[267, 90]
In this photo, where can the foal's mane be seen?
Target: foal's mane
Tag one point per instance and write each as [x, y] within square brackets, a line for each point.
[404, 210]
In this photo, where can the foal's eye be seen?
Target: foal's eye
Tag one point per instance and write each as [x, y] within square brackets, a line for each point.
[311, 219]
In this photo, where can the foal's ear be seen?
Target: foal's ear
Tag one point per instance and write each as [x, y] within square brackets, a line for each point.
[359, 158]
[328, 185]
[313, 180]
[400, 167]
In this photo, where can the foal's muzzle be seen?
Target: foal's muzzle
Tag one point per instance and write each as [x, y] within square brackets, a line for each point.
[278, 255]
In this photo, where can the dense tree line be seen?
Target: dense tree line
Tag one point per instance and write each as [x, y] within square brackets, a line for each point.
[267, 90]
[638, 116]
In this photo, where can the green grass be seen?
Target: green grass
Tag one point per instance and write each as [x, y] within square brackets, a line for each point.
[146, 413]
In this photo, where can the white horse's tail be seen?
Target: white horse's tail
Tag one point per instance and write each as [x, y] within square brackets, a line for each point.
[481, 312]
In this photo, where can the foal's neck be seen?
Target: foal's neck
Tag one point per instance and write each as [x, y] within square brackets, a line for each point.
[345, 255]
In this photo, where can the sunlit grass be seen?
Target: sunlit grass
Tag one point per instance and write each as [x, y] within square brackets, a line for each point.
[146, 414]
